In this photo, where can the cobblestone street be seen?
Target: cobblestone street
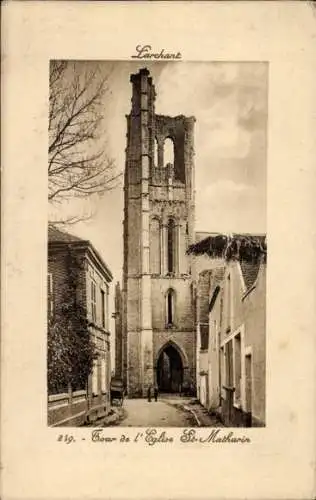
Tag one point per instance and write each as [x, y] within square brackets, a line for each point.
[168, 411]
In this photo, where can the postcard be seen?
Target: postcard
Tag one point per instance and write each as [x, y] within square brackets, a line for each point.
[157, 249]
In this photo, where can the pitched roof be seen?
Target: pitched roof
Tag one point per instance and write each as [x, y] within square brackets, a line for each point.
[250, 272]
[248, 247]
[58, 237]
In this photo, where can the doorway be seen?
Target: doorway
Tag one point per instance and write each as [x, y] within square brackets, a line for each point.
[169, 370]
[248, 377]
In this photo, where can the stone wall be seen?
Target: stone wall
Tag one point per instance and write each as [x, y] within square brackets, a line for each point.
[183, 308]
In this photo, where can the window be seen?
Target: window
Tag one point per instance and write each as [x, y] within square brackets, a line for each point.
[168, 151]
[50, 296]
[93, 302]
[155, 246]
[170, 311]
[170, 307]
[229, 364]
[237, 366]
[170, 244]
[103, 308]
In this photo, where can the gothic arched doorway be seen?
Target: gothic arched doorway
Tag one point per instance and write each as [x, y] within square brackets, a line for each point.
[169, 370]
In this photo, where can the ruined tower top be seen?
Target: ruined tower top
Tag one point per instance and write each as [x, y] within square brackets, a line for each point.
[143, 92]
[143, 72]
[160, 130]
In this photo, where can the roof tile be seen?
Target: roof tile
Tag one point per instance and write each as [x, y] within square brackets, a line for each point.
[250, 272]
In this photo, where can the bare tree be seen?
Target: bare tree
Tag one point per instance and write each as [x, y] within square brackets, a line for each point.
[78, 164]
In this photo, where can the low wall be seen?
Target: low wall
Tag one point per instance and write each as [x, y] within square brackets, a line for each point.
[74, 410]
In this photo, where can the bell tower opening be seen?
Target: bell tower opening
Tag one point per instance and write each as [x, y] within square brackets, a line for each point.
[169, 370]
[168, 152]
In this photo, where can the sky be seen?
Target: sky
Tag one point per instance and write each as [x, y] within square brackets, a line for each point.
[229, 102]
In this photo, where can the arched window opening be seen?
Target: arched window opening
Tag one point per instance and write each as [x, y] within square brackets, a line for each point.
[170, 315]
[171, 249]
[156, 152]
[170, 307]
[154, 246]
[168, 151]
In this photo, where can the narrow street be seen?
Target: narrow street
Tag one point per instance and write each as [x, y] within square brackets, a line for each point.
[168, 411]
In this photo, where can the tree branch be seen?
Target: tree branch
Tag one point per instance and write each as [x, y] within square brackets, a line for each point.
[77, 166]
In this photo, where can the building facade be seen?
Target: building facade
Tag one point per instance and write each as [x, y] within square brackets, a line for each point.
[158, 341]
[231, 335]
[208, 329]
[75, 267]
[243, 344]
[118, 317]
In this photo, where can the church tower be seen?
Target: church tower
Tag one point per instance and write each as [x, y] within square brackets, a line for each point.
[158, 342]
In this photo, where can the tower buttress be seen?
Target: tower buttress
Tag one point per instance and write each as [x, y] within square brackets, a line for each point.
[137, 287]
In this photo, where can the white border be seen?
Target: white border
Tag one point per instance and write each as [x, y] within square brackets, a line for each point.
[35, 465]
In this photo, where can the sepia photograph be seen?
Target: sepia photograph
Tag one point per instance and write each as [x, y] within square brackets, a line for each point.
[158, 298]
[157, 247]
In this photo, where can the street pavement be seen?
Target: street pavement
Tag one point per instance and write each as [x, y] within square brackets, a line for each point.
[168, 411]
